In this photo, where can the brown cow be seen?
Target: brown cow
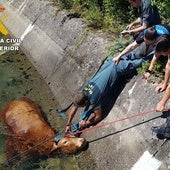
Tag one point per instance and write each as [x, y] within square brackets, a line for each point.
[2, 9]
[28, 131]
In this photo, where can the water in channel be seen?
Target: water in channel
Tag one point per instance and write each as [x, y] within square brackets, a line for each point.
[18, 78]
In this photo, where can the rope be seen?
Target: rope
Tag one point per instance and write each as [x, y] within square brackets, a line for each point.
[84, 130]
[118, 120]
[24, 152]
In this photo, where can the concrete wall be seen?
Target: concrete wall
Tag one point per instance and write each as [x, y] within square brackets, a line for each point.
[61, 48]
[66, 54]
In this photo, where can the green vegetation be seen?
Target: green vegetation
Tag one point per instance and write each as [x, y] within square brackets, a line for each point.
[158, 71]
[164, 9]
[110, 15]
[101, 14]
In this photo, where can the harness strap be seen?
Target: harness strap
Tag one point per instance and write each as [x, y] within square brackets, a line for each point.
[58, 137]
[75, 126]
[84, 116]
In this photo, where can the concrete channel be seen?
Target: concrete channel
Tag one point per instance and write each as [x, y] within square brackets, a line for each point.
[66, 53]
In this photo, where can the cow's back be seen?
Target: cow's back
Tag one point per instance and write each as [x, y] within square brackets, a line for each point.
[23, 116]
[29, 135]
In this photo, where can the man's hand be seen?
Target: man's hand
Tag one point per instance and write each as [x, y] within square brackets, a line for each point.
[116, 60]
[161, 88]
[82, 124]
[68, 128]
[146, 75]
[124, 32]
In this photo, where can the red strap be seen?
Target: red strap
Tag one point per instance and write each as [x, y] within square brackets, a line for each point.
[118, 120]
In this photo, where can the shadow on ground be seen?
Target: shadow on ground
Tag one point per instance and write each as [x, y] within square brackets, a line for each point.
[110, 100]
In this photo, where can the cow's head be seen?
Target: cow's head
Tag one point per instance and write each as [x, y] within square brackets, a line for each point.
[69, 144]
[2, 9]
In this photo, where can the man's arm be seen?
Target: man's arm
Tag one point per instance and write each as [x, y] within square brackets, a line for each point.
[70, 117]
[153, 61]
[135, 30]
[136, 22]
[95, 119]
[163, 86]
[129, 48]
[161, 105]
[152, 64]
[138, 29]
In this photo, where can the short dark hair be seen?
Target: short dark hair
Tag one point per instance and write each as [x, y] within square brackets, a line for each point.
[80, 99]
[163, 44]
[150, 33]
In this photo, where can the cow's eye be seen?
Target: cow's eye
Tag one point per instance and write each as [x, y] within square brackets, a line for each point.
[65, 142]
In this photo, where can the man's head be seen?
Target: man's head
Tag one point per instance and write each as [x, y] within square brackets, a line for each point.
[135, 3]
[163, 45]
[80, 99]
[150, 35]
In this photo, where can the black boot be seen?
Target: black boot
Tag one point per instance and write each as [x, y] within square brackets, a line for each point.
[162, 131]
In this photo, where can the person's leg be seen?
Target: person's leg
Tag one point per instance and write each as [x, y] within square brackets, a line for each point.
[106, 64]
[104, 68]
[128, 64]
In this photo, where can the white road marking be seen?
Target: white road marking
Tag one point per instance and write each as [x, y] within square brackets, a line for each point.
[147, 162]
[28, 29]
[131, 90]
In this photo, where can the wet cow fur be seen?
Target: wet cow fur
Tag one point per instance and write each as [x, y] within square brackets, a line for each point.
[27, 130]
